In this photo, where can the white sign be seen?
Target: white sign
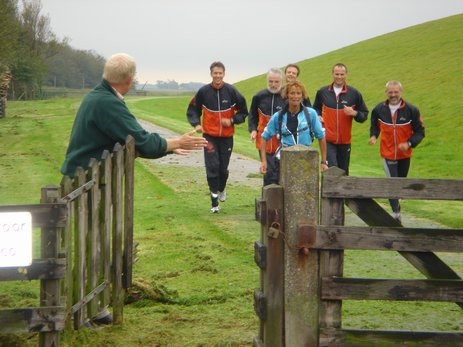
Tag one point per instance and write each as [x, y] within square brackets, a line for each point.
[15, 239]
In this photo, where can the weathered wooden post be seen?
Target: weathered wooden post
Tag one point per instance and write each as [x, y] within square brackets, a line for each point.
[50, 290]
[300, 169]
[268, 299]
[118, 292]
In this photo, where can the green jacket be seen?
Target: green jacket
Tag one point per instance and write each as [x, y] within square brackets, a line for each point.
[102, 121]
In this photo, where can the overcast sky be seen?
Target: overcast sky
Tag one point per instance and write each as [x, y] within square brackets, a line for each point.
[178, 39]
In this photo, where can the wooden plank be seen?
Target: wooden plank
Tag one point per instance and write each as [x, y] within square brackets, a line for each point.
[106, 223]
[129, 185]
[427, 263]
[72, 195]
[397, 187]
[337, 288]
[27, 320]
[93, 237]
[66, 186]
[46, 215]
[40, 269]
[117, 237]
[50, 289]
[392, 239]
[80, 250]
[331, 261]
[368, 338]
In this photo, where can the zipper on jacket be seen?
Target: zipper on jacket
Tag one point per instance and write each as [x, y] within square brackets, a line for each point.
[394, 118]
[220, 113]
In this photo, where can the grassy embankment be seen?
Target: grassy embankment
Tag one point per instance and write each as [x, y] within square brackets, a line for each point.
[200, 267]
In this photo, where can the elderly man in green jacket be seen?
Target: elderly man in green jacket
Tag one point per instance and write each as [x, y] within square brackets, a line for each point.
[103, 120]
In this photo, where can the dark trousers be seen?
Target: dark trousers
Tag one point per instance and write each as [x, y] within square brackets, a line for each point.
[216, 158]
[396, 168]
[273, 170]
[338, 155]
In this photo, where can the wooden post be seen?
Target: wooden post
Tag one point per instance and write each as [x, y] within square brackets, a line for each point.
[80, 251]
[272, 275]
[118, 225]
[300, 169]
[106, 223]
[93, 256]
[66, 188]
[129, 185]
[50, 293]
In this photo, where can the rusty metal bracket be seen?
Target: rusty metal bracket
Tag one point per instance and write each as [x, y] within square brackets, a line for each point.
[260, 254]
[260, 211]
[260, 304]
[306, 236]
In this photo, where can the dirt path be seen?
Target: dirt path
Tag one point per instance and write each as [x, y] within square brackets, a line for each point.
[243, 170]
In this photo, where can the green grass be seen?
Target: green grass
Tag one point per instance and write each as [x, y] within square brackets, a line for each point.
[199, 268]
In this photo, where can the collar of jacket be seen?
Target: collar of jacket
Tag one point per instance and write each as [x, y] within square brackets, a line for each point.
[402, 103]
[217, 87]
[344, 87]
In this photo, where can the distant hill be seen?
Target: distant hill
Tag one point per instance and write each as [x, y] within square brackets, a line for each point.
[169, 85]
[428, 60]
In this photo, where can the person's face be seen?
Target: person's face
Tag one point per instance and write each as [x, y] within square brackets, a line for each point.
[291, 74]
[394, 94]
[294, 96]
[339, 76]
[274, 83]
[217, 75]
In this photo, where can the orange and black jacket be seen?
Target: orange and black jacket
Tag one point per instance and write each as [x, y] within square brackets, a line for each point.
[214, 104]
[263, 105]
[405, 125]
[338, 126]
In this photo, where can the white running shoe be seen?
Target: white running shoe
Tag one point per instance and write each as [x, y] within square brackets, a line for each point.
[223, 196]
[215, 209]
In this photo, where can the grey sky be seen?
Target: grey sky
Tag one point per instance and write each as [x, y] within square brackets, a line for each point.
[178, 39]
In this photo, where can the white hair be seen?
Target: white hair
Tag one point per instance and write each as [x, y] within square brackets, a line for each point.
[119, 67]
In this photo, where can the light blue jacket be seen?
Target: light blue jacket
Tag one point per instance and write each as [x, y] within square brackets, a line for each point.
[303, 130]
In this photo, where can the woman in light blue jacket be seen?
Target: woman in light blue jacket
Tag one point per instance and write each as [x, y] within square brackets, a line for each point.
[295, 124]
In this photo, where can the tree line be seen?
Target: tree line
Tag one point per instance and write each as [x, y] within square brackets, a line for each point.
[36, 58]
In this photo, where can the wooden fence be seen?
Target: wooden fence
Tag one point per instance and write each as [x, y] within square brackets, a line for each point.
[86, 248]
[301, 255]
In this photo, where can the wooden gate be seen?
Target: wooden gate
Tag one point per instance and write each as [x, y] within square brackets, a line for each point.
[301, 255]
[86, 248]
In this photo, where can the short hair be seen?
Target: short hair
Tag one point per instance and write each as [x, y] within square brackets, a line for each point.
[275, 71]
[295, 66]
[339, 65]
[119, 67]
[296, 84]
[218, 64]
[394, 83]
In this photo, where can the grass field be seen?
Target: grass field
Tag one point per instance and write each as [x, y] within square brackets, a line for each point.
[197, 269]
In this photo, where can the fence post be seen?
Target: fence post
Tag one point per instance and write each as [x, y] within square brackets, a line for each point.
[299, 169]
[50, 293]
[269, 256]
[117, 237]
[129, 184]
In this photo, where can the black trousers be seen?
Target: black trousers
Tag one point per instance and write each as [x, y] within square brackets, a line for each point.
[273, 170]
[338, 155]
[396, 168]
[216, 158]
